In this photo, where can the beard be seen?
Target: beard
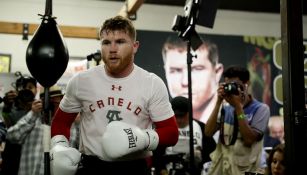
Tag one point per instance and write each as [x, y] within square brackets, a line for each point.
[118, 64]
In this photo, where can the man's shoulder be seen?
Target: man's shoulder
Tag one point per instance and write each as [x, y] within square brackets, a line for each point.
[87, 75]
[147, 74]
[260, 105]
[144, 71]
[256, 104]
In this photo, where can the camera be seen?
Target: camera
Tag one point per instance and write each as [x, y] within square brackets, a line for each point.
[231, 88]
[24, 98]
[94, 56]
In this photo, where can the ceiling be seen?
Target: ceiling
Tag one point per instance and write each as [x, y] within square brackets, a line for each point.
[266, 6]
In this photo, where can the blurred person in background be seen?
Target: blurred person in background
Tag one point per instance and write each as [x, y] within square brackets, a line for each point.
[276, 161]
[180, 105]
[276, 128]
[175, 159]
[29, 132]
[17, 102]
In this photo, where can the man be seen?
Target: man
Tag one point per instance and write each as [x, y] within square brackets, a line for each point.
[276, 127]
[17, 103]
[242, 121]
[180, 106]
[29, 132]
[275, 132]
[206, 73]
[176, 158]
[125, 111]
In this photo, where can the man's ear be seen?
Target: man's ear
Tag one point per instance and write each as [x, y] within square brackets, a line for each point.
[219, 68]
[247, 86]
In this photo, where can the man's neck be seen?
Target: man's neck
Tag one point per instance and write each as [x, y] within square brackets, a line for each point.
[249, 99]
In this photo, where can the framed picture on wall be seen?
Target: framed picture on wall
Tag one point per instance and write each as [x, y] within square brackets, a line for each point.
[5, 63]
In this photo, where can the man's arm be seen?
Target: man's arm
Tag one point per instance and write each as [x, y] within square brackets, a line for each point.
[18, 132]
[63, 158]
[167, 131]
[254, 131]
[8, 100]
[2, 131]
[62, 122]
[249, 135]
[134, 139]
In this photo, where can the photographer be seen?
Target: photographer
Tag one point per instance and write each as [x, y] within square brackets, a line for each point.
[29, 131]
[17, 103]
[242, 121]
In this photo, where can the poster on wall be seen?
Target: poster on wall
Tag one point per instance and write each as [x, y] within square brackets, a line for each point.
[253, 52]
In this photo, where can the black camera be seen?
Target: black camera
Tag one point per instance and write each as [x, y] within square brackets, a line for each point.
[94, 56]
[24, 98]
[231, 88]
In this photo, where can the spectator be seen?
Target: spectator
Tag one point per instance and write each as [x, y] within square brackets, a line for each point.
[180, 105]
[17, 103]
[242, 121]
[276, 127]
[29, 132]
[276, 162]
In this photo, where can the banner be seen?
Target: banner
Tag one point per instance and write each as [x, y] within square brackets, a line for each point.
[260, 54]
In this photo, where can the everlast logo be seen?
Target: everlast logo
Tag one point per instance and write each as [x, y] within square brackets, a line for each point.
[132, 141]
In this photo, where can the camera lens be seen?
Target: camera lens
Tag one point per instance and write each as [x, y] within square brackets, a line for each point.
[231, 88]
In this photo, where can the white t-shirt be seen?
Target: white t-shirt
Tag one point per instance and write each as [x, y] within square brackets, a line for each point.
[183, 144]
[138, 99]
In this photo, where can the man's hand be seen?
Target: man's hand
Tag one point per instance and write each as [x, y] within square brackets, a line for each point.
[64, 160]
[37, 106]
[9, 98]
[121, 139]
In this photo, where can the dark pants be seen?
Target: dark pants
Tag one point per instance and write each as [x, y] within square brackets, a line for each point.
[94, 166]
